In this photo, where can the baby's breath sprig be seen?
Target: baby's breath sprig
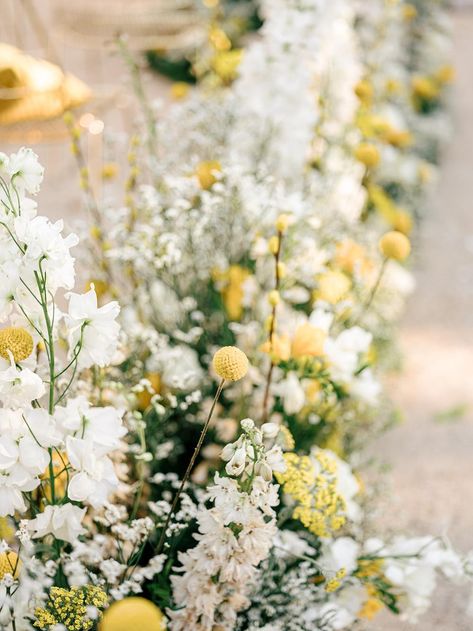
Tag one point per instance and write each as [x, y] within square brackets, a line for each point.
[230, 364]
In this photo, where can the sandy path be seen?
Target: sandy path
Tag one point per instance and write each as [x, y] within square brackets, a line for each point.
[431, 461]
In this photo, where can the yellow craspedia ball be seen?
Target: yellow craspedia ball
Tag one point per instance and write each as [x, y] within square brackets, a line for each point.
[395, 245]
[9, 564]
[133, 614]
[368, 154]
[230, 363]
[16, 340]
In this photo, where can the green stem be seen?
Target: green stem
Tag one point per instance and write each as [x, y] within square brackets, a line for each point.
[189, 468]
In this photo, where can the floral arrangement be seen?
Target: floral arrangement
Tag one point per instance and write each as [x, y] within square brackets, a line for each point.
[196, 459]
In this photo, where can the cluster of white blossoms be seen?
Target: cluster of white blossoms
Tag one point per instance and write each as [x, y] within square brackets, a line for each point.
[234, 535]
[54, 450]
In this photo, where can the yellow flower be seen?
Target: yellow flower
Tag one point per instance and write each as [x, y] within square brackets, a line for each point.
[274, 298]
[59, 461]
[68, 607]
[368, 154]
[179, 90]
[109, 170]
[225, 64]
[133, 614]
[395, 245]
[364, 91]
[100, 286]
[6, 529]
[350, 257]
[279, 347]
[370, 608]
[282, 222]
[409, 12]
[144, 397]
[425, 88]
[333, 286]
[445, 74]
[219, 39]
[205, 173]
[398, 137]
[232, 293]
[273, 244]
[402, 221]
[311, 481]
[10, 563]
[16, 340]
[230, 363]
[308, 341]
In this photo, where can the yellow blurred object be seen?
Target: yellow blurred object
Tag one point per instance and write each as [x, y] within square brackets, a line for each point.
[179, 90]
[6, 529]
[409, 12]
[233, 289]
[445, 74]
[206, 173]
[144, 397]
[60, 462]
[395, 245]
[425, 88]
[368, 154]
[308, 341]
[333, 286]
[225, 64]
[35, 90]
[351, 256]
[133, 614]
[279, 348]
[10, 563]
[364, 91]
[219, 39]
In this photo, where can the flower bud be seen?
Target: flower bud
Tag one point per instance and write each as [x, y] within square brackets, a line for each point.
[395, 245]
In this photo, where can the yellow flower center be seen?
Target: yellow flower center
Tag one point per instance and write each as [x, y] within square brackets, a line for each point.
[16, 340]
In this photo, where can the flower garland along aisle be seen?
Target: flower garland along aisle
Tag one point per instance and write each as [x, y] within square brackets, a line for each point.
[213, 462]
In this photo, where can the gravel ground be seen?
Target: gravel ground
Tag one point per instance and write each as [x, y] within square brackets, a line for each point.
[431, 460]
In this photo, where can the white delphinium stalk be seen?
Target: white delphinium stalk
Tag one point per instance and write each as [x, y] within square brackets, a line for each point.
[234, 536]
[65, 452]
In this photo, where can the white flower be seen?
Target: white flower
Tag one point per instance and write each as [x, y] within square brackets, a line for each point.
[64, 522]
[95, 478]
[45, 242]
[236, 465]
[292, 393]
[25, 171]
[97, 327]
[18, 388]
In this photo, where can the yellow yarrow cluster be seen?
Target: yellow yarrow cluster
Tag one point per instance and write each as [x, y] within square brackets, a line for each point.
[367, 571]
[334, 583]
[311, 482]
[16, 340]
[69, 607]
